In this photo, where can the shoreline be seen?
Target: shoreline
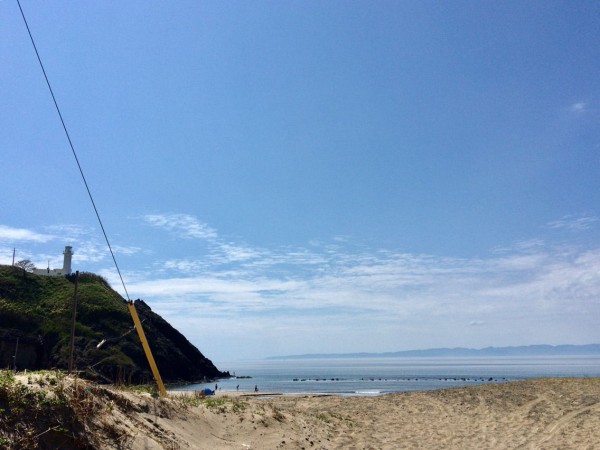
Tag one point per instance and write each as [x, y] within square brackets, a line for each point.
[249, 393]
[361, 392]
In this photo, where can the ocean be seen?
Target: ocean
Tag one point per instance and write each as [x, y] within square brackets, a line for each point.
[375, 376]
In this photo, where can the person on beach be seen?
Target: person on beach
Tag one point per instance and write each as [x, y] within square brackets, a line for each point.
[256, 388]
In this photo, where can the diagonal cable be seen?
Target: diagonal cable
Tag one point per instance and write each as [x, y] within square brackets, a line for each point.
[73, 151]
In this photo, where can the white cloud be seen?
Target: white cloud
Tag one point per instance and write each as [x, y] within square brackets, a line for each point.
[70, 231]
[351, 297]
[229, 252]
[182, 225]
[186, 266]
[10, 234]
[578, 107]
[189, 227]
[213, 285]
[126, 250]
[383, 282]
[90, 251]
[573, 223]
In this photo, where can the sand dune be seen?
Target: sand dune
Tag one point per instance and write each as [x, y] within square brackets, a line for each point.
[531, 414]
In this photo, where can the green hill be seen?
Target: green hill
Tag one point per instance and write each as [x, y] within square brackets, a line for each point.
[35, 321]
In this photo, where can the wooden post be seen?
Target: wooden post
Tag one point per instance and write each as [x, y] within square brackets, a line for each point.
[73, 317]
[138, 326]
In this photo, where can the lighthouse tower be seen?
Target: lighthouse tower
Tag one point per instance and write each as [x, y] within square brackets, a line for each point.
[66, 270]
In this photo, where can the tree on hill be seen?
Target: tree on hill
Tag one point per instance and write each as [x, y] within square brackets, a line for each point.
[26, 265]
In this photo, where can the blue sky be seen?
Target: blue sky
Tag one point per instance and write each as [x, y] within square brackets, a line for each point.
[300, 177]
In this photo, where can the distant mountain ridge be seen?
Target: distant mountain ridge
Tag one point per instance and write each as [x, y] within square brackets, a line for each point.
[524, 350]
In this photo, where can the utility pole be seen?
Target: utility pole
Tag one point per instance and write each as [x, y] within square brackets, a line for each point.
[15, 357]
[14, 250]
[138, 326]
[73, 317]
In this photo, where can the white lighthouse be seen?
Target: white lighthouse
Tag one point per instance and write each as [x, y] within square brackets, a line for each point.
[66, 268]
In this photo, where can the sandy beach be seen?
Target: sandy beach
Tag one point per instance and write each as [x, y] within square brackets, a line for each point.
[560, 413]
[532, 414]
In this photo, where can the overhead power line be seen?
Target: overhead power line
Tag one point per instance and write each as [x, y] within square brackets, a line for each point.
[73, 151]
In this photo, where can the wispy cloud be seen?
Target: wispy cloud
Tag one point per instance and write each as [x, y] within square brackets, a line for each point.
[69, 231]
[10, 234]
[189, 227]
[230, 252]
[573, 223]
[182, 225]
[401, 296]
[384, 281]
[311, 296]
[578, 107]
[126, 250]
[185, 266]
[327, 284]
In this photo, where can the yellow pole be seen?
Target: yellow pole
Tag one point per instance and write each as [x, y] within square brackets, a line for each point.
[138, 326]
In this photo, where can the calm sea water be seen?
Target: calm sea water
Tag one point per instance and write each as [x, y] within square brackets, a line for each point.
[373, 376]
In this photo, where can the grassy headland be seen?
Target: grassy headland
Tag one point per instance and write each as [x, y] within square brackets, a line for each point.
[35, 324]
